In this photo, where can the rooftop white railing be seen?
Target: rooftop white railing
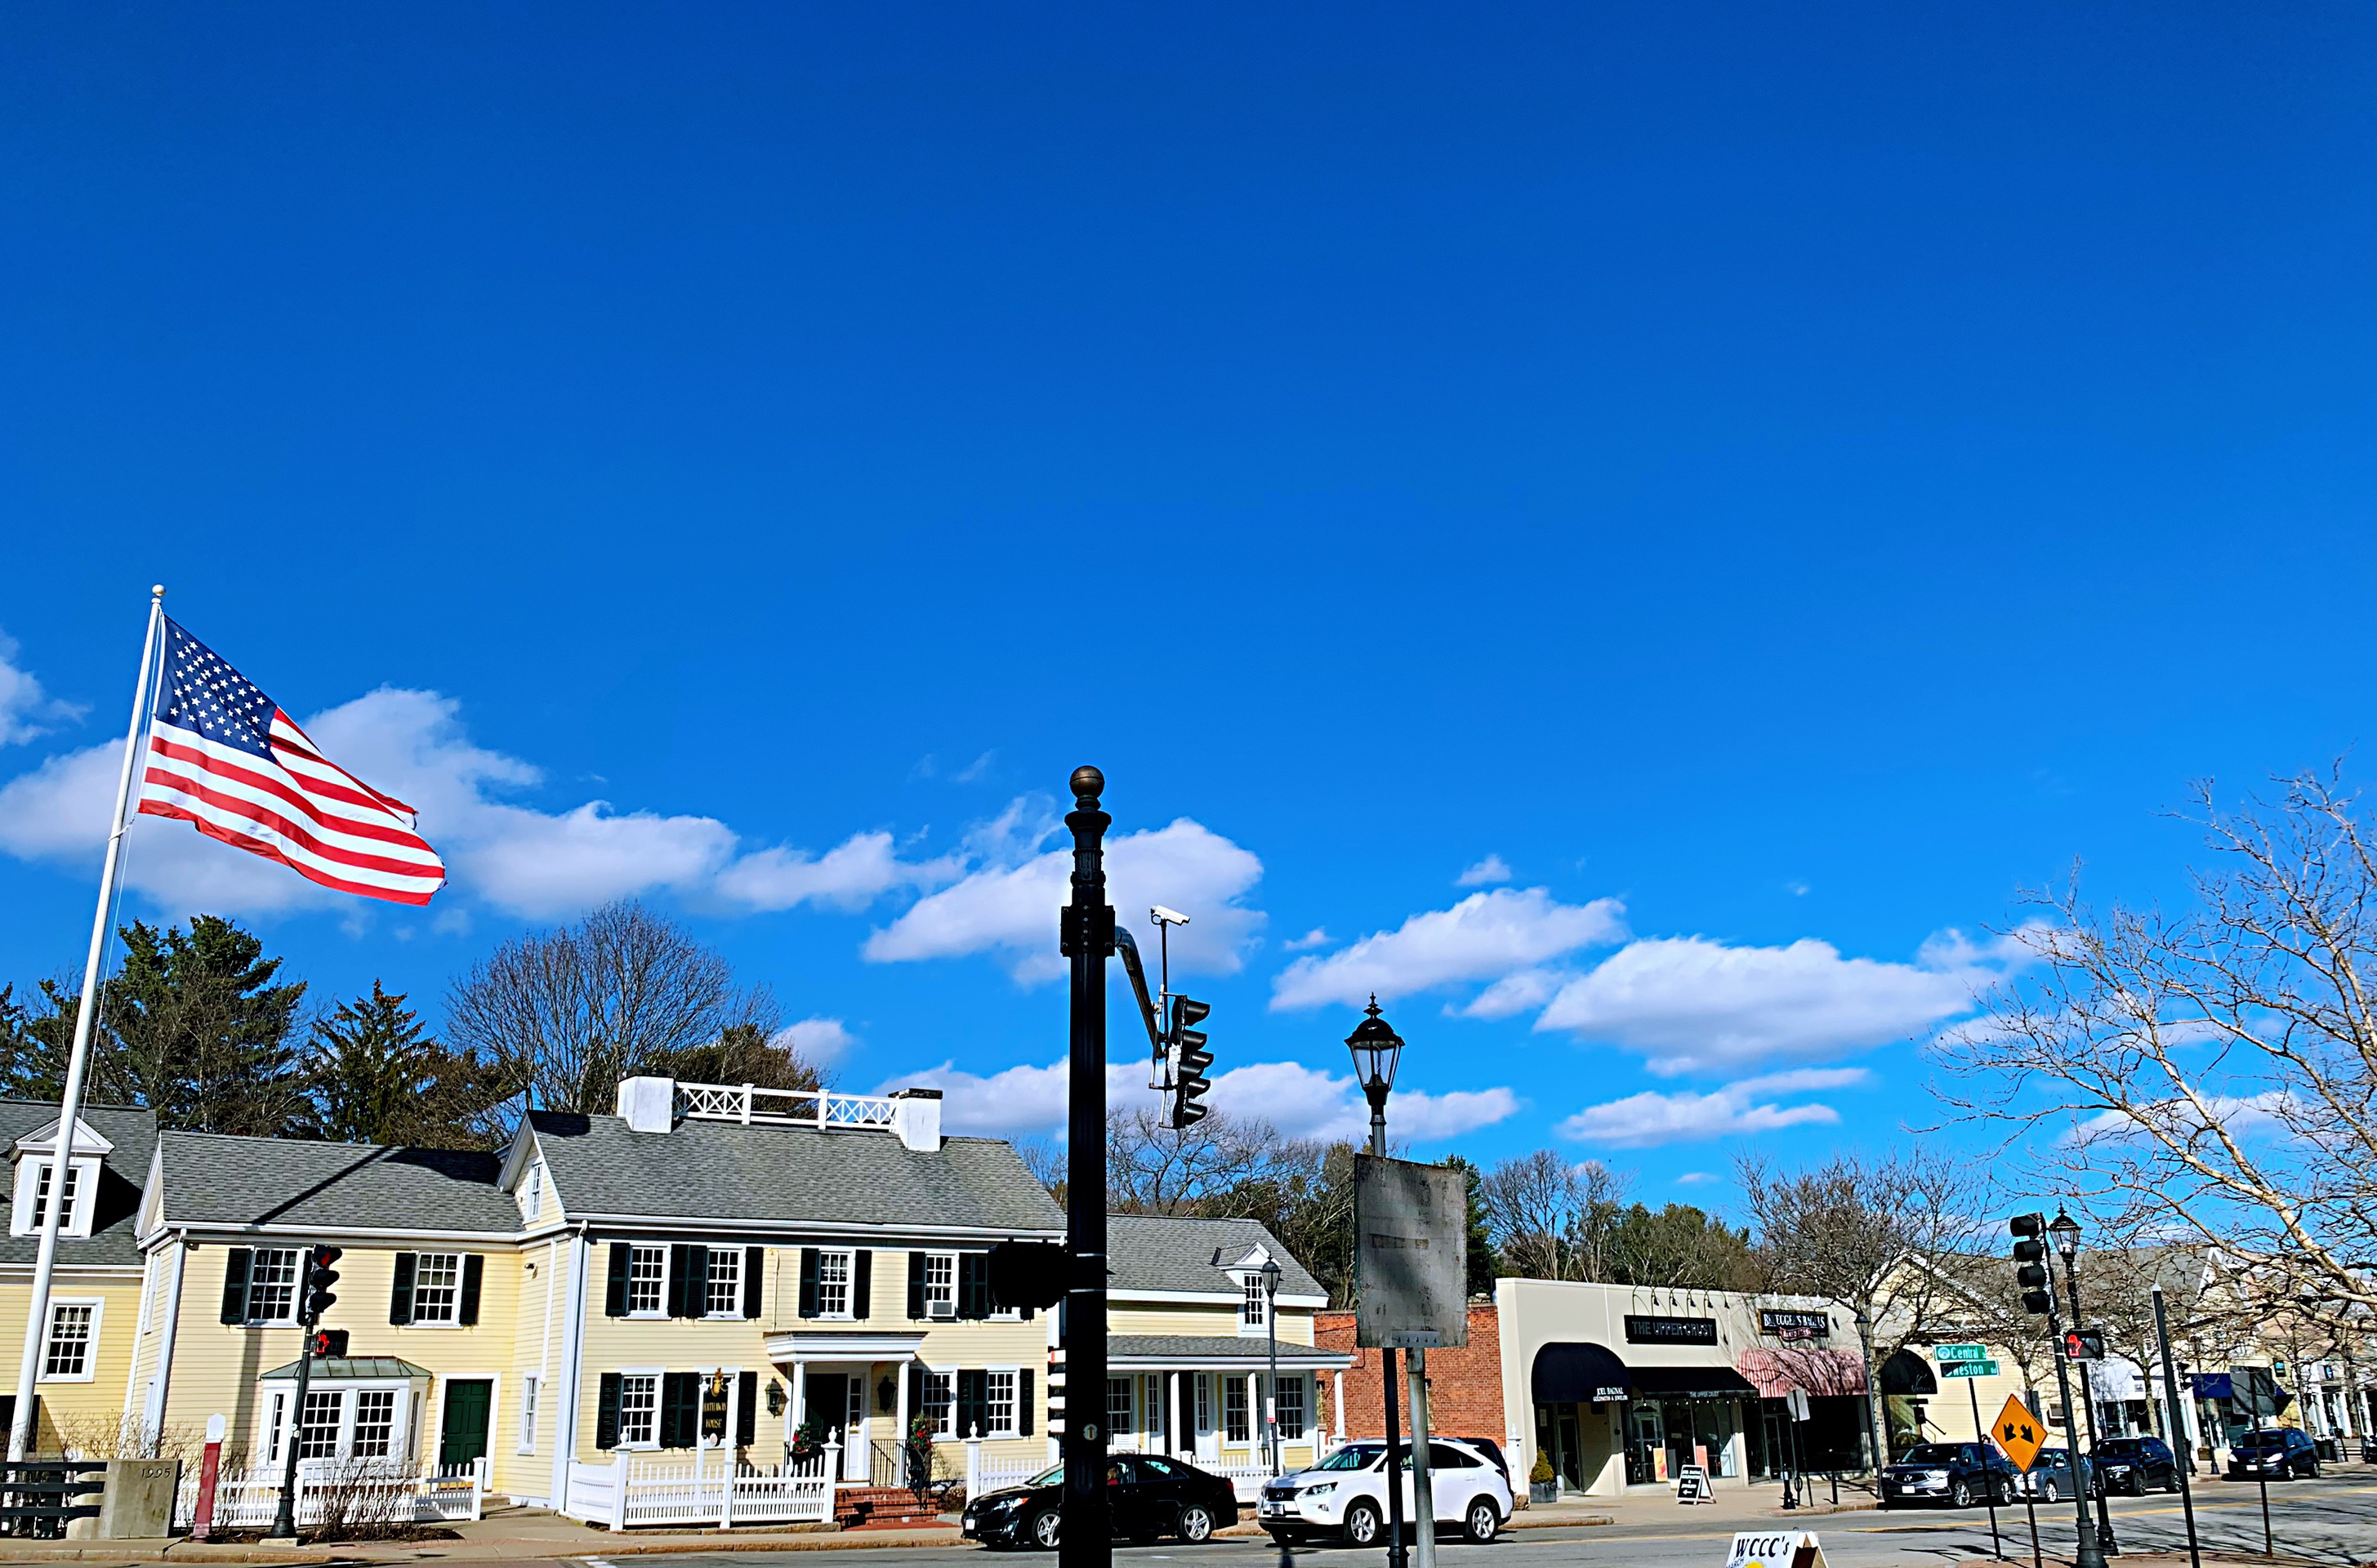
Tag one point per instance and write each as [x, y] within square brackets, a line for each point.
[782, 1107]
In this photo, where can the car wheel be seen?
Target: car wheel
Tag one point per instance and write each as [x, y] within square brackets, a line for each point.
[1196, 1526]
[2048, 1491]
[1483, 1522]
[1961, 1495]
[2005, 1492]
[2311, 1471]
[1047, 1528]
[1362, 1527]
[2170, 1482]
[2137, 1487]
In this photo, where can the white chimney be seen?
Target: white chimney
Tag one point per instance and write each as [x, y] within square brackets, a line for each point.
[649, 1104]
[916, 1117]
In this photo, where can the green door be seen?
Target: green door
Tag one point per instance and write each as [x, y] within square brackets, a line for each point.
[464, 1437]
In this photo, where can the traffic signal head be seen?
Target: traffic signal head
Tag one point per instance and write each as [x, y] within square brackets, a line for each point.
[2030, 1258]
[2031, 1225]
[328, 1342]
[1190, 1060]
[320, 1274]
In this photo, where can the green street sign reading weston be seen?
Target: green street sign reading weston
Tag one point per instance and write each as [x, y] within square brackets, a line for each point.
[1983, 1368]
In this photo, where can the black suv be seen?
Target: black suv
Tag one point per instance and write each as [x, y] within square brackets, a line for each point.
[1147, 1496]
[2273, 1451]
[2133, 1464]
[1958, 1474]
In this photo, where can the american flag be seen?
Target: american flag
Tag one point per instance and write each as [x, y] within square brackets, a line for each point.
[224, 758]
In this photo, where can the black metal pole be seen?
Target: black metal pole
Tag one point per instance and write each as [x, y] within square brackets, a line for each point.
[2090, 1554]
[284, 1522]
[1974, 1394]
[1088, 925]
[1396, 1555]
[2105, 1538]
[2175, 1427]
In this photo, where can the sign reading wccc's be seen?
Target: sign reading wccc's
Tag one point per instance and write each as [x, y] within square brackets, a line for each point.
[1643, 1330]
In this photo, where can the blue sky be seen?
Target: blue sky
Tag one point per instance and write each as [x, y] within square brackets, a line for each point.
[1633, 528]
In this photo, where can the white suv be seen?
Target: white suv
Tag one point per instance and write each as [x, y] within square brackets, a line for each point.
[1345, 1496]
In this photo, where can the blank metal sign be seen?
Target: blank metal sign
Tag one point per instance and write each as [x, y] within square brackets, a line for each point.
[1411, 1222]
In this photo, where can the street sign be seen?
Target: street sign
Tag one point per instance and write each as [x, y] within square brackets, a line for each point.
[2019, 1433]
[1797, 1402]
[1775, 1549]
[1963, 1352]
[1982, 1367]
[1412, 1224]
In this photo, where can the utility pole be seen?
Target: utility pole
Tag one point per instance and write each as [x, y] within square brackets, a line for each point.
[2091, 1554]
[1088, 940]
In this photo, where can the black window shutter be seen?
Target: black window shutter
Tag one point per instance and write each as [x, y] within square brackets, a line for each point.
[916, 1285]
[696, 1281]
[754, 1260]
[808, 1282]
[614, 1298]
[973, 1402]
[399, 1300]
[606, 1411]
[475, 1275]
[862, 1285]
[974, 1285]
[676, 1280]
[746, 1405]
[915, 1395]
[234, 1298]
[680, 1409]
[1023, 1403]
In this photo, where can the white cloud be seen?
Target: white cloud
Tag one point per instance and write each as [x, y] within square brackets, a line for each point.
[1695, 1178]
[1315, 938]
[1485, 936]
[26, 710]
[1693, 1004]
[1011, 909]
[1513, 995]
[1302, 1102]
[2245, 1116]
[1649, 1120]
[851, 875]
[1485, 873]
[820, 1042]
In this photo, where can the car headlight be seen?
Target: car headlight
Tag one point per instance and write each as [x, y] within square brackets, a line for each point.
[1005, 1504]
[1323, 1489]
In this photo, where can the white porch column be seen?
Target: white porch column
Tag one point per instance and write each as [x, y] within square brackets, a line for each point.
[1337, 1401]
[1172, 1403]
[796, 1406]
[899, 1419]
[864, 1384]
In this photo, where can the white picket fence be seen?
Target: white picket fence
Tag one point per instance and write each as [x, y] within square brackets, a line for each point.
[632, 1491]
[354, 1490]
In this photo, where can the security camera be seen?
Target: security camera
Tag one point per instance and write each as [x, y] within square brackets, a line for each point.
[1163, 916]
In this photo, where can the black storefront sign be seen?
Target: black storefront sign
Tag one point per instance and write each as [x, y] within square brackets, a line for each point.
[1794, 1325]
[1641, 1330]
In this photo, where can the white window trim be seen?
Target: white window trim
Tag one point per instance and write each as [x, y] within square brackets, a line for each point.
[950, 1373]
[296, 1287]
[1251, 1295]
[532, 1191]
[849, 1285]
[402, 1438]
[531, 1416]
[1013, 1426]
[435, 1433]
[657, 1375]
[83, 1172]
[741, 1283]
[461, 1268]
[928, 1291]
[667, 1264]
[98, 1306]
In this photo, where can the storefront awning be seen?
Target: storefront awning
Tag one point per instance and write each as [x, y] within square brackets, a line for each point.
[1907, 1373]
[1571, 1372]
[1691, 1383]
[1821, 1372]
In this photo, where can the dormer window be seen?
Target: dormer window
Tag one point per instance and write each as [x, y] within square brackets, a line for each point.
[532, 1191]
[34, 1174]
[1250, 1309]
[42, 1170]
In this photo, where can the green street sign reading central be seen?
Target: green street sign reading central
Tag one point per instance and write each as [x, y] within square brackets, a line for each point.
[1983, 1368]
[1963, 1352]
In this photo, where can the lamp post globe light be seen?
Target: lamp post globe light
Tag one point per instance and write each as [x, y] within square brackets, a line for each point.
[1377, 1051]
[2066, 1232]
[1271, 1273]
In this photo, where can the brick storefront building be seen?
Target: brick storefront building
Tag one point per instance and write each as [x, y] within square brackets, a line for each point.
[1464, 1385]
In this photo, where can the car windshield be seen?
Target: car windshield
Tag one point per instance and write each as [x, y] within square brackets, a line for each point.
[1053, 1475]
[1353, 1457]
[1933, 1453]
[2258, 1440]
[2122, 1447]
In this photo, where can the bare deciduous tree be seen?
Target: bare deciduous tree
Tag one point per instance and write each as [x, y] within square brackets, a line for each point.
[1552, 1220]
[566, 1014]
[2209, 1080]
[1152, 1168]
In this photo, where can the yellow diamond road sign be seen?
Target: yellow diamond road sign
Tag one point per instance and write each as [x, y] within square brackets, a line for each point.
[2019, 1433]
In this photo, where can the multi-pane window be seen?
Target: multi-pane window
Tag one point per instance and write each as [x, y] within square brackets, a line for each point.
[940, 1284]
[272, 1433]
[640, 1406]
[833, 1284]
[374, 1422]
[998, 1403]
[41, 1194]
[272, 1285]
[647, 1279]
[69, 1350]
[530, 1385]
[1252, 1313]
[532, 1191]
[1291, 1408]
[1204, 1402]
[940, 1402]
[436, 1286]
[317, 1437]
[724, 1289]
[1234, 1410]
[1118, 1404]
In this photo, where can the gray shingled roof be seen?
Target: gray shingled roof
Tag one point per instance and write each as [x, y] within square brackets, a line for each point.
[1154, 1251]
[787, 1175]
[1221, 1348]
[213, 1180]
[117, 1218]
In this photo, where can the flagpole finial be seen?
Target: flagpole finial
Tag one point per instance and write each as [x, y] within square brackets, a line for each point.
[156, 590]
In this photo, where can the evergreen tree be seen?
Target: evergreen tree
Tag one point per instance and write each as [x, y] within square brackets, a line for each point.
[1484, 1261]
[197, 1031]
[377, 1077]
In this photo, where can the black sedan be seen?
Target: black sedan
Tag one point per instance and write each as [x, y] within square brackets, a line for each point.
[2133, 1464]
[1957, 1474]
[1148, 1495]
[2280, 1452]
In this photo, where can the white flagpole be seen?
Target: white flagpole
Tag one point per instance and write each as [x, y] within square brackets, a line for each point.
[20, 1430]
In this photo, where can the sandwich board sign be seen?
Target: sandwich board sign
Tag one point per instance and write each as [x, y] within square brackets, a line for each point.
[1777, 1548]
[1692, 1485]
[2019, 1433]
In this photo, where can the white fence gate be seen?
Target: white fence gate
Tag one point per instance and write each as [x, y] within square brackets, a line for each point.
[346, 1491]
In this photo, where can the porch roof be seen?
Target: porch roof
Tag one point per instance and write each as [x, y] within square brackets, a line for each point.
[348, 1368]
[1148, 1352]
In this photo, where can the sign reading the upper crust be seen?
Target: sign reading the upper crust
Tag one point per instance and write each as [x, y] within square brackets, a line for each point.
[1643, 1330]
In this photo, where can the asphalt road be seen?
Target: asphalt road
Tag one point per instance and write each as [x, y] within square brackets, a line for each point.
[2332, 1520]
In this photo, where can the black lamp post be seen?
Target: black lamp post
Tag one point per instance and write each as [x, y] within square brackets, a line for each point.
[1377, 1051]
[1271, 1273]
[2066, 1232]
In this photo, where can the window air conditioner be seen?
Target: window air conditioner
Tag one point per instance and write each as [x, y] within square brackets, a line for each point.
[941, 1309]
